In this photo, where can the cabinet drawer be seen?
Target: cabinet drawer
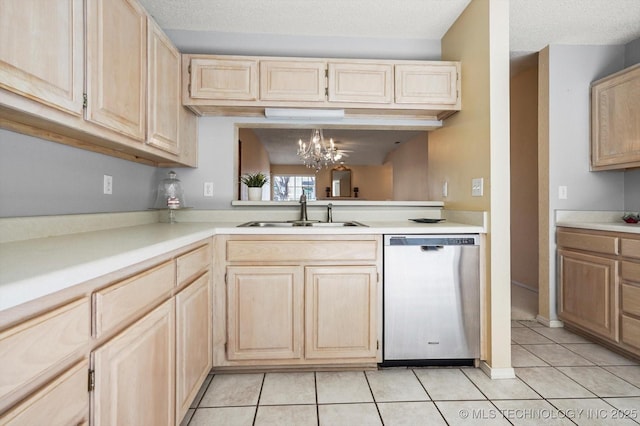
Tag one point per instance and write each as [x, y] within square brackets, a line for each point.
[284, 251]
[630, 299]
[122, 302]
[630, 331]
[192, 264]
[596, 243]
[37, 345]
[630, 271]
[65, 401]
[630, 248]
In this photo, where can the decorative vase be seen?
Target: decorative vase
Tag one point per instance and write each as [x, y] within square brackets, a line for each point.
[255, 193]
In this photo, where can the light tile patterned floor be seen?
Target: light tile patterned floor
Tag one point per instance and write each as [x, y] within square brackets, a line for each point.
[562, 379]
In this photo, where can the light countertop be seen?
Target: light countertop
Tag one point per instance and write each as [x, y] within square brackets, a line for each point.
[37, 267]
[596, 220]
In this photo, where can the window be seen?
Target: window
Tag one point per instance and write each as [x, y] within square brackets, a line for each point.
[290, 187]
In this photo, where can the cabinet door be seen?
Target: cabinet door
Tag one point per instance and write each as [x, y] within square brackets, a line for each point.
[42, 51]
[433, 84]
[353, 82]
[224, 79]
[265, 312]
[134, 373]
[615, 121]
[193, 342]
[116, 66]
[340, 312]
[292, 81]
[588, 292]
[164, 91]
[64, 401]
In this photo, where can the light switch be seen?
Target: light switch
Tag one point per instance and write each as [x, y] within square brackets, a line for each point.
[477, 187]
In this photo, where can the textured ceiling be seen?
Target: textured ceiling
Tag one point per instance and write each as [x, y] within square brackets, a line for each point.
[533, 23]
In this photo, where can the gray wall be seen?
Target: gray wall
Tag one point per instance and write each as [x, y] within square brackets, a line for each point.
[632, 177]
[39, 177]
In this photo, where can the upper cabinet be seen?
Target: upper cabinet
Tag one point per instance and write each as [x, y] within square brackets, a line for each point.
[225, 79]
[615, 121]
[163, 96]
[227, 85]
[42, 52]
[117, 66]
[129, 70]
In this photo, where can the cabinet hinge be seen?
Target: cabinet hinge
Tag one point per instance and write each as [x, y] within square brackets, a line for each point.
[189, 69]
[225, 278]
[326, 92]
[84, 100]
[189, 88]
[92, 380]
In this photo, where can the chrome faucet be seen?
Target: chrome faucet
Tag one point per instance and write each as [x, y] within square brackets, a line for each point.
[330, 212]
[303, 208]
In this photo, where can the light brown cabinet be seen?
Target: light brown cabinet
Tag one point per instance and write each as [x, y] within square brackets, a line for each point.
[265, 306]
[134, 373]
[295, 301]
[223, 78]
[147, 357]
[340, 312]
[246, 85]
[292, 80]
[163, 101]
[599, 276]
[117, 66]
[47, 65]
[615, 121]
[97, 75]
[193, 341]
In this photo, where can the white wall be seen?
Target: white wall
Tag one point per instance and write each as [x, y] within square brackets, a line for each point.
[39, 177]
[571, 71]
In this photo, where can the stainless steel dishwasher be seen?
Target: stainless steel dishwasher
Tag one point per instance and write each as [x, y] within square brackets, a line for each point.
[431, 299]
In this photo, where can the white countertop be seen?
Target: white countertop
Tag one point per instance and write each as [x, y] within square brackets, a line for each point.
[596, 220]
[37, 267]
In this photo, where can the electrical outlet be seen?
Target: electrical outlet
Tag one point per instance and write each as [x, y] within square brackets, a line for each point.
[445, 189]
[477, 187]
[107, 184]
[208, 189]
[562, 192]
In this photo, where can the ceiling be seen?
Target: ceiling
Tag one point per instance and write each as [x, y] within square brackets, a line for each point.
[534, 24]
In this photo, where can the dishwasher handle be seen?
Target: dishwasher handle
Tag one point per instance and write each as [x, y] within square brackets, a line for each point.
[431, 248]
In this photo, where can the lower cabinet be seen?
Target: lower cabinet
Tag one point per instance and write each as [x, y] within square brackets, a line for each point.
[134, 373]
[265, 306]
[599, 277]
[340, 312]
[588, 295]
[299, 308]
[193, 341]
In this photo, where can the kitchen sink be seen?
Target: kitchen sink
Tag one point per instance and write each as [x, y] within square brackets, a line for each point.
[292, 223]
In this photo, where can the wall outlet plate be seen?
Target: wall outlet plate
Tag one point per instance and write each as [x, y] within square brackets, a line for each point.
[107, 185]
[477, 187]
[208, 189]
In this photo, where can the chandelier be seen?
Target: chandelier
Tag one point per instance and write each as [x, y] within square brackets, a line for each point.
[316, 154]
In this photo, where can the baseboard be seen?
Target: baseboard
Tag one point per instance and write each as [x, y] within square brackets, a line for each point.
[525, 286]
[549, 323]
[497, 373]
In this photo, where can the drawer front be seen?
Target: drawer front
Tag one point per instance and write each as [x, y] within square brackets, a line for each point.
[596, 243]
[285, 251]
[37, 345]
[630, 271]
[65, 401]
[630, 331]
[122, 302]
[630, 300]
[630, 248]
[192, 264]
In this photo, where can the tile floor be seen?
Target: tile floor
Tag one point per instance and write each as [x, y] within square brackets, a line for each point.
[561, 379]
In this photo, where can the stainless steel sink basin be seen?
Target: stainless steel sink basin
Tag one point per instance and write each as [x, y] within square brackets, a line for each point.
[289, 224]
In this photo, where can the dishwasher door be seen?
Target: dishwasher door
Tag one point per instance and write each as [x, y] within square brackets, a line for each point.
[431, 298]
